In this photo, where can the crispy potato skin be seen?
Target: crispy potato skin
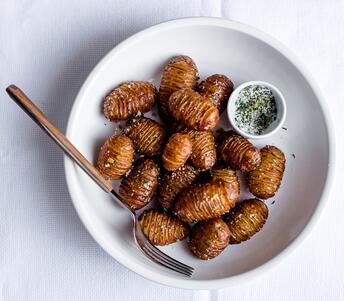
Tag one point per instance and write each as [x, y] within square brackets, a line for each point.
[147, 135]
[264, 181]
[137, 189]
[162, 228]
[203, 149]
[181, 72]
[204, 201]
[228, 176]
[217, 88]
[193, 110]
[173, 183]
[128, 99]
[238, 152]
[209, 238]
[115, 157]
[177, 150]
[246, 219]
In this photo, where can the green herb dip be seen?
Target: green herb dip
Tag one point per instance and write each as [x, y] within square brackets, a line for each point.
[255, 109]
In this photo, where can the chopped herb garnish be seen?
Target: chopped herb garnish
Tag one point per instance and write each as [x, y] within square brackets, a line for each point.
[284, 128]
[293, 156]
[255, 109]
[273, 202]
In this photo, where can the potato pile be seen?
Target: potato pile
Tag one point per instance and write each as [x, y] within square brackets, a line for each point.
[191, 174]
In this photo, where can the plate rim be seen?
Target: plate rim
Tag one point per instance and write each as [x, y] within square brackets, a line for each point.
[174, 280]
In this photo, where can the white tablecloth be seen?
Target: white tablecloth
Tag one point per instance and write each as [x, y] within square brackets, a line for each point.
[48, 48]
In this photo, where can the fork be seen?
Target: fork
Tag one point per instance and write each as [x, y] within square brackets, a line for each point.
[56, 135]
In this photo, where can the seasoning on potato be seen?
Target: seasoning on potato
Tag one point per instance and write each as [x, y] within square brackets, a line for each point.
[264, 181]
[246, 219]
[162, 228]
[181, 72]
[203, 149]
[217, 88]
[209, 238]
[228, 176]
[173, 183]
[193, 110]
[238, 152]
[147, 135]
[204, 201]
[137, 189]
[115, 157]
[177, 150]
[128, 99]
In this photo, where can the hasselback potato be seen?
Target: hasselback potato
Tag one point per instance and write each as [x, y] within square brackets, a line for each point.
[264, 181]
[246, 219]
[138, 187]
[203, 149]
[173, 183]
[238, 152]
[209, 238]
[193, 110]
[162, 228]
[217, 88]
[128, 99]
[181, 72]
[115, 157]
[177, 150]
[228, 176]
[204, 201]
[147, 135]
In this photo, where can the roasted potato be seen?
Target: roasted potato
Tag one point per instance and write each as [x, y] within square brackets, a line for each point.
[177, 150]
[147, 135]
[209, 238]
[217, 88]
[203, 149]
[128, 99]
[173, 183]
[264, 181]
[228, 176]
[204, 201]
[181, 72]
[137, 189]
[162, 228]
[193, 110]
[238, 152]
[246, 219]
[115, 157]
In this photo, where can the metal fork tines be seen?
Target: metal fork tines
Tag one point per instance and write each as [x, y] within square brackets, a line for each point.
[158, 256]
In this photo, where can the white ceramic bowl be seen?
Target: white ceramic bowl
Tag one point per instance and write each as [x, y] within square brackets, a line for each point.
[243, 53]
[275, 126]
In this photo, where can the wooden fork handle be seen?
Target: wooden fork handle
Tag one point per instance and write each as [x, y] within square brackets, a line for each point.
[54, 133]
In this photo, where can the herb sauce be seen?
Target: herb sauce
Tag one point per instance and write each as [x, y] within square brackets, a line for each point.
[255, 109]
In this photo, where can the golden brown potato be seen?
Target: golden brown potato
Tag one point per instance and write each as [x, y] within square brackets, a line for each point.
[181, 72]
[228, 176]
[128, 99]
[203, 149]
[209, 238]
[193, 110]
[204, 201]
[246, 219]
[217, 88]
[115, 157]
[238, 152]
[162, 228]
[264, 181]
[177, 150]
[137, 189]
[147, 135]
[173, 183]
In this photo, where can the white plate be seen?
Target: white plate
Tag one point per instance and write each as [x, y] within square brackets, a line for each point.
[244, 54]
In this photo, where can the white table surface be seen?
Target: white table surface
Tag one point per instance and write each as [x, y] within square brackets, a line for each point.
[48, 48]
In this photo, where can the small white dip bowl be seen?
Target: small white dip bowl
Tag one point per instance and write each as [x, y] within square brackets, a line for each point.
[274, 126]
